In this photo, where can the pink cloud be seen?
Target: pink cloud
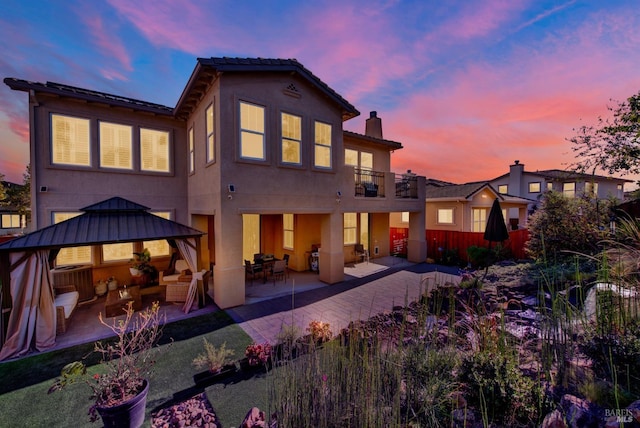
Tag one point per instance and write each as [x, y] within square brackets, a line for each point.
[110, 45]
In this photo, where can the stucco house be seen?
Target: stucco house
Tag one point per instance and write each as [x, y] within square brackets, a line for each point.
[12, 221]
[253, 154]
[533, 184]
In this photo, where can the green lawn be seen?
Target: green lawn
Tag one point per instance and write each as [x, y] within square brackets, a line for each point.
[24, 401]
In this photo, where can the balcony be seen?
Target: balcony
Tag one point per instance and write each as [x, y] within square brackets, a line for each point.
[369, 184]
[406, 186]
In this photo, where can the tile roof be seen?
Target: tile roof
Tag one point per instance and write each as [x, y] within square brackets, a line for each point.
[87, 95]
[392, 145]
[463, 191]
[202, 75]
[559, 174]
[112, 220]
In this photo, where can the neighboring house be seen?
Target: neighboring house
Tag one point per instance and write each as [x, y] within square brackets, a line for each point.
[253, 154]
[533, 184]
[12, 221]
[456, 216]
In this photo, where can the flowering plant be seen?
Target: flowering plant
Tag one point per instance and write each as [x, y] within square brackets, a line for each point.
[127, 361]
[319, 331]
[258, 353]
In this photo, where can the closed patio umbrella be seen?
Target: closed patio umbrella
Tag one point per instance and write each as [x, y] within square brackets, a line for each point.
[496, 229]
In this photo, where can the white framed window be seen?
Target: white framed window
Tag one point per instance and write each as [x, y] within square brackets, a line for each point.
[70, 140]
[569, 189]
[350, 228]
[11, 221]
[503, 188]
[351, 157]
[322, 152]
[192, 152]
[210, 129]
[291, 139]
[404, 217]
[534, 187]
[154, 150]
[116, 145]
[445, 216]
[117, 252]
[479, 219]
[591, 188]
[287, 226]
[159, 247]
[252, 131]
[71, 255]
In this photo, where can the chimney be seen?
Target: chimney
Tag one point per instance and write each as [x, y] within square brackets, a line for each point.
[516, 184]
[373, 127]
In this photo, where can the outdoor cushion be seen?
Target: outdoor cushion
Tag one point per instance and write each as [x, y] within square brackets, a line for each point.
[68, 301]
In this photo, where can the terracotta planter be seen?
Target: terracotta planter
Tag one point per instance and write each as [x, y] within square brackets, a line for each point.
[130, 413]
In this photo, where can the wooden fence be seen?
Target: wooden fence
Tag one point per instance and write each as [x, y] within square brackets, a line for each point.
[441, 243]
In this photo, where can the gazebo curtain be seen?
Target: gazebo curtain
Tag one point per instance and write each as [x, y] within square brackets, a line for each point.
[32, 323]
[187, 248]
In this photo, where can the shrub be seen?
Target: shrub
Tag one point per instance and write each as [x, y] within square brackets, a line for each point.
[213, 359]
[616, 355]
[495, 385]
[566, 224]
[319, 331]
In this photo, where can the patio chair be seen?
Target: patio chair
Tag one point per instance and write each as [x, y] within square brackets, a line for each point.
[286, 261]
[252, 269]
[361, 253]
[279, 271]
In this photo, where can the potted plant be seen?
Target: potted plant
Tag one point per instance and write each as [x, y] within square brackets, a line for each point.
[257, 354]
[119, 390]
[141, 267]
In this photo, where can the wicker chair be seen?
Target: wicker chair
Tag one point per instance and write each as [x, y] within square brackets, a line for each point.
[66, 301]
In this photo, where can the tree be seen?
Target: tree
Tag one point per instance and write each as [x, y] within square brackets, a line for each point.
[18, 197]
[2, 190]
[614, 144]
[564, 225]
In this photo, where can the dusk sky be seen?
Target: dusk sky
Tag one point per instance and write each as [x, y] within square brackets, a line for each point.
[466, 86]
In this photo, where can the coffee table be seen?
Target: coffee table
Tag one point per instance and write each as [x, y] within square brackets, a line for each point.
[115, 305]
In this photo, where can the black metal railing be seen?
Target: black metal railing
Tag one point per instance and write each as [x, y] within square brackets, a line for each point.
[369, 183]
[406, 186]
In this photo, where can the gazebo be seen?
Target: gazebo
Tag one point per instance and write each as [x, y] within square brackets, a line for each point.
[27, 291]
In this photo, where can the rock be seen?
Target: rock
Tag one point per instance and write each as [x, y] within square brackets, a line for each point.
[254, 419]
[579, 413]
[554, 420]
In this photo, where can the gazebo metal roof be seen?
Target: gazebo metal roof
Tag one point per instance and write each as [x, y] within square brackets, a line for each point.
[110, 221]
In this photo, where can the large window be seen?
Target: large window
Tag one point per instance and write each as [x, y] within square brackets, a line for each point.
[252, 138]
[192, 153]
[211, 139]
[117, 252]
[350, 228]
[11, 221]
[291, 139]
[115, 146]
[569, 189]
[534, 187]
[478, 219]
[363, 160]
[287, 226]
[71, 255]
[159, 247]
[322, 157]
[591, 188]
[445, 216]
[70, 141]
[154, 150]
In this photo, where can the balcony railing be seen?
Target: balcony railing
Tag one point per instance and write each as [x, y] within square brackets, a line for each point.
[406, 186]
[369, 183]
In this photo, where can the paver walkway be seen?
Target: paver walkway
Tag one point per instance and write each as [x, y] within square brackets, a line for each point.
[341, 303]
